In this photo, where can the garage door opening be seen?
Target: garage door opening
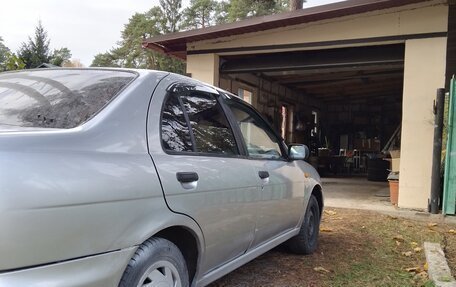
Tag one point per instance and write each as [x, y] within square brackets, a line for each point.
[345, 104]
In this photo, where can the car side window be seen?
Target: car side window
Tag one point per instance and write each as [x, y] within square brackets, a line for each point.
[210, 126]
[260, 141]
[175, 133]
[209, 132]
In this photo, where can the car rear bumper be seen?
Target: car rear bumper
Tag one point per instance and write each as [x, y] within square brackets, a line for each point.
[99, 270]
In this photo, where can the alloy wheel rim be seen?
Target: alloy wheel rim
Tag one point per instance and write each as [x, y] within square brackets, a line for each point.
[160, 274]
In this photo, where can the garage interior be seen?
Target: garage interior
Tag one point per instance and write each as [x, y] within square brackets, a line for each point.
[344, 103]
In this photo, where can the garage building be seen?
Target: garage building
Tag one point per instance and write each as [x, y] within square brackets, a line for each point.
[349, 79]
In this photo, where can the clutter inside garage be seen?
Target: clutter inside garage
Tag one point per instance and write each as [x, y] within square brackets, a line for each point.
[345, 103]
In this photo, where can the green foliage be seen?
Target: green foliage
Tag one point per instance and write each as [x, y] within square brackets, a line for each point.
[172, 14]
[9, 61]
[130, 54]
[36, 50]
[4, 52]
[169, 17]
[241, 9]
[13, 62]
[200, 14]
[60, 56]
[104, 60]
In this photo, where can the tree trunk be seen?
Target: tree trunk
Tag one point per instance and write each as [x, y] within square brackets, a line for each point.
[295, 5]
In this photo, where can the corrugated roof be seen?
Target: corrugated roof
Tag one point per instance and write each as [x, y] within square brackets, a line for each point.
[176, 43]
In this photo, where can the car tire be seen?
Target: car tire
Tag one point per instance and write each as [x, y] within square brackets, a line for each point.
[156, 261]
[306, 241]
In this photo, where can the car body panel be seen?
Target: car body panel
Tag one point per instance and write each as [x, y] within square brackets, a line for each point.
[103, 270]
[78, 202]
[282, 198]
[247, 257]
[93, 187]
[221, 201]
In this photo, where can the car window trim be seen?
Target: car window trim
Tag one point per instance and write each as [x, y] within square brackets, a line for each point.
[234, 126]
[187, 121]
[168, 94]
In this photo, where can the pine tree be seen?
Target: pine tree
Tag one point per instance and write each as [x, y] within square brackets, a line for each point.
[200, 14]
[36, 51]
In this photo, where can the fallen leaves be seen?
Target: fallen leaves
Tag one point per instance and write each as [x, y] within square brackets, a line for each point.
[330, 212]
[452, 231]
[416, 269]
[321, 270]
[432, 224]
[399, 238]
[407, 253]
[419, 272]
[422, 274]
[325, 229]
[417, 249]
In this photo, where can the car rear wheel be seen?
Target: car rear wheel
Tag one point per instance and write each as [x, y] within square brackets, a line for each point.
[307, 239]
[156, 263]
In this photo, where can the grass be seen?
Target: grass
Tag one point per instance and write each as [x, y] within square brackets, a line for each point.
[357, 248]
[387, 252]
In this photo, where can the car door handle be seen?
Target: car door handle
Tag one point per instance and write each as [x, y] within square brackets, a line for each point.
[185, 177]
[263, 174]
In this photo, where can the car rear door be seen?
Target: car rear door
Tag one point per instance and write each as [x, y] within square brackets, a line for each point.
[201, 169]
[281, 183]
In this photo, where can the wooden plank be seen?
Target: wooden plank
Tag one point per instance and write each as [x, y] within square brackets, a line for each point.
[449, 188]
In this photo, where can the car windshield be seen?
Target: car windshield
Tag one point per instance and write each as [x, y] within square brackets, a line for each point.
[57, 98]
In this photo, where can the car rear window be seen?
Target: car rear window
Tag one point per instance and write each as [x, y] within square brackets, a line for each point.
[57, 98]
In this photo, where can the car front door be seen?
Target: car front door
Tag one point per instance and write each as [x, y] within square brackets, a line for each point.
[202, 171]
[280, 182]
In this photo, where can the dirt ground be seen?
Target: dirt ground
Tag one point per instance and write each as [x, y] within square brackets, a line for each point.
[356, 248]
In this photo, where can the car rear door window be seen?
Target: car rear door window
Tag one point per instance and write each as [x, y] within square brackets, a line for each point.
[209, 132]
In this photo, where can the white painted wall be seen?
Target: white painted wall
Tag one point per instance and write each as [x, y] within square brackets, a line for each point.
[424, 73]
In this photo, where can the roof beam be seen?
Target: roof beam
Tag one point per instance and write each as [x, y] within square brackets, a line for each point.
[304, 60]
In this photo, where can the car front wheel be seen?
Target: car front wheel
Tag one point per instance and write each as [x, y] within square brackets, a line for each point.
[305, 242]
[156, 263]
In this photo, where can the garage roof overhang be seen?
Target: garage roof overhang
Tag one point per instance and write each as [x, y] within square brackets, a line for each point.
[175, 44]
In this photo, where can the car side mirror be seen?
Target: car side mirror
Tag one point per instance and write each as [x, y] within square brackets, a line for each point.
[298, 152]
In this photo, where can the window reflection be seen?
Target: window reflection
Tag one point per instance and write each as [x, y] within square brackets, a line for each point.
[210, 131]
[175, 132]
[209, 124]
[260, 141]
[57, 98]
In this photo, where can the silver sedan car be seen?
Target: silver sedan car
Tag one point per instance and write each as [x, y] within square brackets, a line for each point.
[116, 177]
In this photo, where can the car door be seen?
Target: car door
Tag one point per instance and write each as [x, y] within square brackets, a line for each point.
[281, 182]
[202, 171]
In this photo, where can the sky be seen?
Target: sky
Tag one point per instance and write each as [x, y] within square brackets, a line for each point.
[86, 27]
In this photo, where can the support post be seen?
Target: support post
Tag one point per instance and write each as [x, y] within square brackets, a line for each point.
[437, 152]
